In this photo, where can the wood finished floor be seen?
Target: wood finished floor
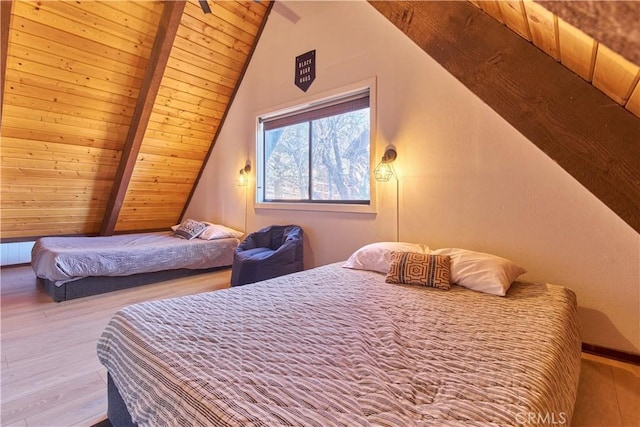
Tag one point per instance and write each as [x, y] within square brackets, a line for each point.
[50, 374]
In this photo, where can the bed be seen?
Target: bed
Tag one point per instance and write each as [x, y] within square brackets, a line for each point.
[335, 346]
[73, 267]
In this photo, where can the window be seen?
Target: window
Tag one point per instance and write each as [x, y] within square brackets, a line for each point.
[318, 153]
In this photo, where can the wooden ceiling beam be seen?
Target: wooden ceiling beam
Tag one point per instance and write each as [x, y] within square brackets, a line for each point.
[5, 24]
[584, 131]
[167, 29]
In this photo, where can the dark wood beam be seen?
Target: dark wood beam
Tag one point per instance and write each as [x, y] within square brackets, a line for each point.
[576, 125]
[167, 29]
[5, 24]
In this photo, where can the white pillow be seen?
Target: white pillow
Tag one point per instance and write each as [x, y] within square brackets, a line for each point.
[217, 231]
[377, 256]
[480, 271]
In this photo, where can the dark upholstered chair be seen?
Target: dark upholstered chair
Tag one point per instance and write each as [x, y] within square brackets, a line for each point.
[273, 251]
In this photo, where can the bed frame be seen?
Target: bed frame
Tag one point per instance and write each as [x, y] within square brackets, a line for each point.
[117, 411]
[98, 285]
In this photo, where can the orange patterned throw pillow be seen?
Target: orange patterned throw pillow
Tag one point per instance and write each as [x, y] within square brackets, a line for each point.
[412, 268]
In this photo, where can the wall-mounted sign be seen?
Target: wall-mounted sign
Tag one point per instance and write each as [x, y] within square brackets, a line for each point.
[305, 70]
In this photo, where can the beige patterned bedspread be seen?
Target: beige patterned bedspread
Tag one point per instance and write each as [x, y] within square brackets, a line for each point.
[333, 346]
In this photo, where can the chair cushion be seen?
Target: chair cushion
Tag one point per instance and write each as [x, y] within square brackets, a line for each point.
[255, 254]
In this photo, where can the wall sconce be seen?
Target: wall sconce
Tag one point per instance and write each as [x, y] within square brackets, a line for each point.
[243, 179]
[384, 171]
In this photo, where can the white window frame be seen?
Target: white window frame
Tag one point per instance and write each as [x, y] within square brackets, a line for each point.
[307, 102]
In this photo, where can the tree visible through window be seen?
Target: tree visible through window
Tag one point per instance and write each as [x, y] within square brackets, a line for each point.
[319, 154]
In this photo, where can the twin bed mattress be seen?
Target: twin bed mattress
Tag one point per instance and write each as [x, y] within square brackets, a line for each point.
[334, 346]
[73, 267]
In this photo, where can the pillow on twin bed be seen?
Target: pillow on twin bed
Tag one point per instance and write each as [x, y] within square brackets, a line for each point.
[377, 256]
[217, 231]
[189, 229]
[412, 268]
[213, 231]
[480, 271]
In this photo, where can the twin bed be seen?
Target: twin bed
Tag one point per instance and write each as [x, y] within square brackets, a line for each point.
[335, 346]
[73, 267]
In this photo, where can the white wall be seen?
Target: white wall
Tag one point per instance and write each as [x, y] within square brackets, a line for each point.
[467, 178]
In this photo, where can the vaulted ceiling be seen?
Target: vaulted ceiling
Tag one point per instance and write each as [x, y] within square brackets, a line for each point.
[110, 109]
[591, 130]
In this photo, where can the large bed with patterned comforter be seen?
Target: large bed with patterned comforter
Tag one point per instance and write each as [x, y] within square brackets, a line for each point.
[334, 346]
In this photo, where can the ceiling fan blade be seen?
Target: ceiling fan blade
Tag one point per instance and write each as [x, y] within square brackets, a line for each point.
[285, 12]
[205, 6]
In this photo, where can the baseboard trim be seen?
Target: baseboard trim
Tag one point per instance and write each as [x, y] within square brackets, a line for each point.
[22, 264]
[610, 353]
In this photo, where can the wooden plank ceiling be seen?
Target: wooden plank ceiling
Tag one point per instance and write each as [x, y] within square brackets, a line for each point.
[110, 109]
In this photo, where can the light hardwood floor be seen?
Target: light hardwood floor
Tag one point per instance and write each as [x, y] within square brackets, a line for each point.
[50, 374]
